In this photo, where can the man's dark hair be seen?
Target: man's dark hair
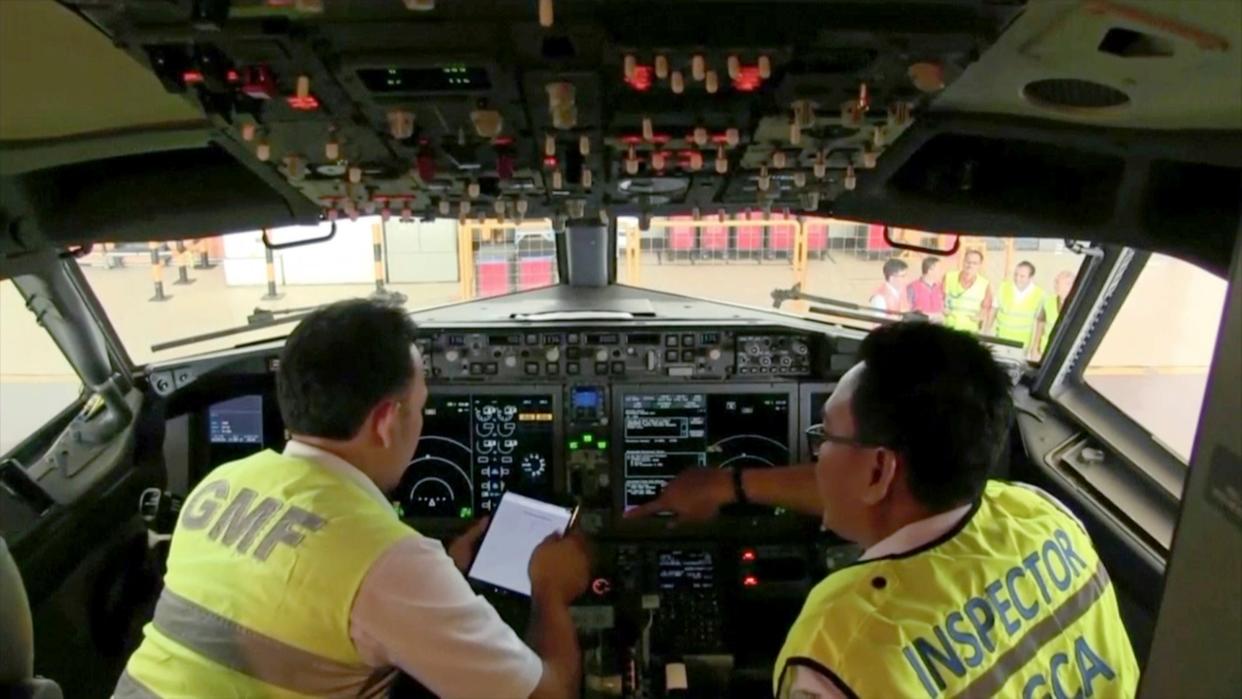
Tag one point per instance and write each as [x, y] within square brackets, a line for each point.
[339, 363]
[928, 263]
[937, 397]
[974, 252]
[893, 267]
[1030, 267]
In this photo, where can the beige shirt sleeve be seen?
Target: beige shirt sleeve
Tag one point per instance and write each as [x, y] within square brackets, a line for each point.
[415, 611]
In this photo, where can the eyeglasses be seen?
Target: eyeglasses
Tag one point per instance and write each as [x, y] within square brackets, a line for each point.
[816, 436]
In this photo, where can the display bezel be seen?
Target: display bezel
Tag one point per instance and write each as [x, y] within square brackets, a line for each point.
[809, 414]
[558, 427]
[658, 525]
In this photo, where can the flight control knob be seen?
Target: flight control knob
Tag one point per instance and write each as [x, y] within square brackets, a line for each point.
[553, 354]
[652, 359]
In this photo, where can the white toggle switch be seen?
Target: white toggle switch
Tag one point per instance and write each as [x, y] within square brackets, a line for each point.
[722, 163]
[778, 159]
[586, 178]
[248, 131]
[799, 179]
[400, 124]
[648, 129]
[735, 67]
[263, 151]
[332, 150]
[851, 180]
[629, 66]
[558, 180]
[355, 174]
[765, 67]
[712, 82]
[303, 89]
[472, 190]
[698, 68]
[546, 15]
[795, 133]
[657, 160]
[677, 82]
[499, 208]
[549, 145]
[661, 67]
[696, 160]
[584, 144]
[445, 207]
[732, 137]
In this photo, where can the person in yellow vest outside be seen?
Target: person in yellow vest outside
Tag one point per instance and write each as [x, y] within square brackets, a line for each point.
[966, 586]
[967, 295]
[1019, 306]
[290, 573]
[1054, 303]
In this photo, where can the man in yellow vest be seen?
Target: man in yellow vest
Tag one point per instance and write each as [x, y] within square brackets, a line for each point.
[967, 295]
[290, 574]
[966, 586]
[1054, 303]
[1018, 308]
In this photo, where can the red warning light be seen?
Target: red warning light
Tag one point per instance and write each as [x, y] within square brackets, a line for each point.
[303, 104]
[641, 79]
[748, 79]
[549, 161]
[748, 555]
[750, 581]
[192, 77]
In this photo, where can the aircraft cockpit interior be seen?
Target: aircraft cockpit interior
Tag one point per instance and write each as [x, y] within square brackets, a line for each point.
[637, 239]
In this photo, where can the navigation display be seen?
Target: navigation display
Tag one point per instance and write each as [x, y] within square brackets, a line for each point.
[473, 448]
[236, 421]
[665, 432]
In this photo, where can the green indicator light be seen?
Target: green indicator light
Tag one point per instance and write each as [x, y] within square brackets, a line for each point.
[602, 444]
[588, 438]
[573, 445]
[466, 513]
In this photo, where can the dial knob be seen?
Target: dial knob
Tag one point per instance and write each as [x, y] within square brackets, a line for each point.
[553, 354]
[601, 355]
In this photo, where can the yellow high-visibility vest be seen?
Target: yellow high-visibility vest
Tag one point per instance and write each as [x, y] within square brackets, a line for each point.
[963, 307]
[1052, 311]
[265, 562]
[1015, 318]
[1014, 602]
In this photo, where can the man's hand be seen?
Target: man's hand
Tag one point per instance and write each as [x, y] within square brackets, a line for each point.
[694, 496]
[559, 568]
[462, 549]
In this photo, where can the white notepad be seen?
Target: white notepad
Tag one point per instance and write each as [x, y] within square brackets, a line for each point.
[519, 525]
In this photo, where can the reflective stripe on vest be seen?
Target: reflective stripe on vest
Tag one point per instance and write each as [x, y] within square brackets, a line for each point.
[962, 306]
[1015, 602]
[1015, 318]
[263, 570]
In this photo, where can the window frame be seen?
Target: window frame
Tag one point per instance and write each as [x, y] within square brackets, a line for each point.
[1147, 479]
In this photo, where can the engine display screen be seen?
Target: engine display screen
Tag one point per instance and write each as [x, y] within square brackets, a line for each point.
[681, 570]
[475, 447]
[236, 421]
[667, 432]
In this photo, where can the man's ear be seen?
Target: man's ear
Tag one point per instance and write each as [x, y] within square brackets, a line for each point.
[384, 422]
[882, 475]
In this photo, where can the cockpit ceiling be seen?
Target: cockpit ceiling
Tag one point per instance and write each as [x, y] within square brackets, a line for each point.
[1150, 65]
[416, 108]
[61, 78]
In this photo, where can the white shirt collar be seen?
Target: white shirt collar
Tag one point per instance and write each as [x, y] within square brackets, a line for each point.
[917, 534]
[1021, 293]
[301, 450]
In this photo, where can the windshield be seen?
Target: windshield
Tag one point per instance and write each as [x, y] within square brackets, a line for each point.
[157, 293]
[1012, 287]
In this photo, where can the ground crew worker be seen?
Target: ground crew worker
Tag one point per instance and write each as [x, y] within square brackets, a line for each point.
[1018, 307]
[966, 586]
[967, 295]
[291, 575]
[887, 296]
[1054, 303]
[926, 294]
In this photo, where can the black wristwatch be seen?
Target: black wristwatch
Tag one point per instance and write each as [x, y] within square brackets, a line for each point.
[739, 492]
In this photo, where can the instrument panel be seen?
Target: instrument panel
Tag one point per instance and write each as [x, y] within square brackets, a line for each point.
[605, 418]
